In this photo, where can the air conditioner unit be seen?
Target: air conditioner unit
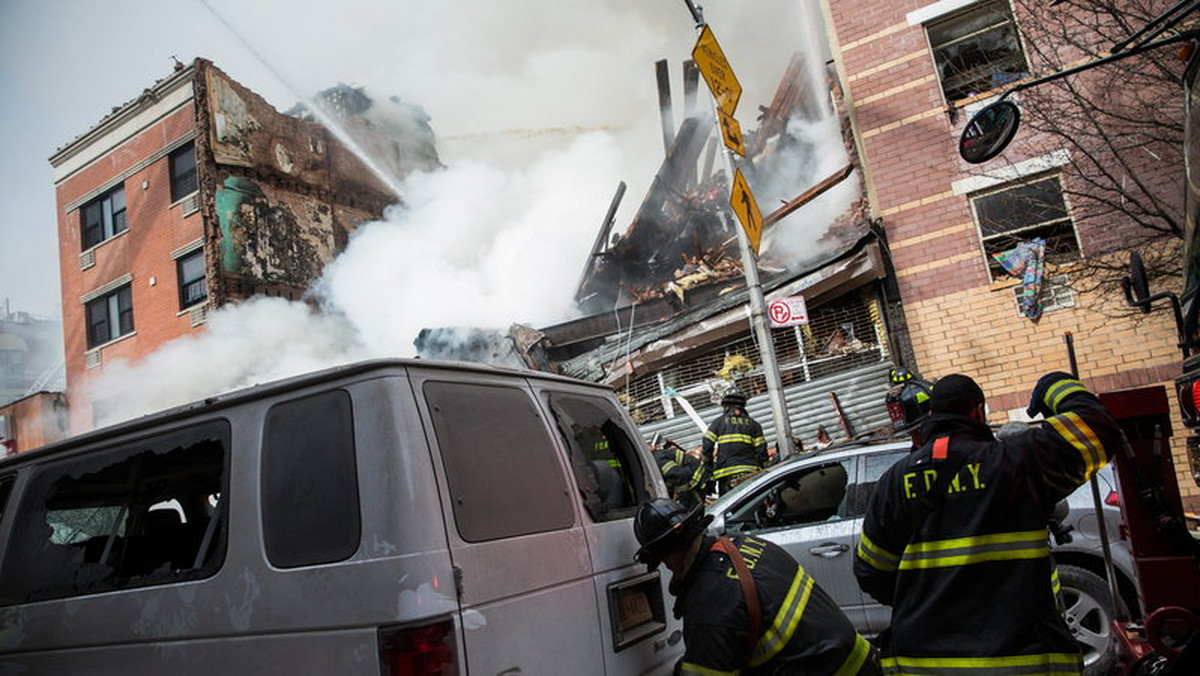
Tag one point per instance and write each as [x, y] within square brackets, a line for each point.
[190, 204]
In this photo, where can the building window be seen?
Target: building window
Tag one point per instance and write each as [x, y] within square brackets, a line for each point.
[110, 316]
[1024, 211]
[183, 172]
[192, 287]
[103, 217]
[977, 50]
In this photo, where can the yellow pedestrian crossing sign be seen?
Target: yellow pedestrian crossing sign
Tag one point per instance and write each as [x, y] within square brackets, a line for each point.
[742, 201]
[716, 71]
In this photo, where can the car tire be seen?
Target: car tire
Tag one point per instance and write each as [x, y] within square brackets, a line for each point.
[1089, 615]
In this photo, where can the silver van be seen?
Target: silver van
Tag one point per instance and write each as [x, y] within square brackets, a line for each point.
[383, 518]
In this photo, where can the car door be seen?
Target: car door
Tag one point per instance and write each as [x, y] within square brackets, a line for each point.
[805, 510]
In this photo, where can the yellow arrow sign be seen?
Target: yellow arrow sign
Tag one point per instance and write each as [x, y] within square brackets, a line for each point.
[731, 133]
[742, 201]
[716, 71]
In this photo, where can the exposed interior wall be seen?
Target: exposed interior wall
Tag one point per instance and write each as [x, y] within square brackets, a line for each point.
[281, 194]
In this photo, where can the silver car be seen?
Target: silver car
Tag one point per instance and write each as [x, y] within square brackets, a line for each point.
[813, 506]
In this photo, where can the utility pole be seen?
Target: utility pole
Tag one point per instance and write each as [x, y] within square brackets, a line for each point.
[730, 132]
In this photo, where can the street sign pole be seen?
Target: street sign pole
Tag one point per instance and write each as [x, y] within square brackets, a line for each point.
[724, 102]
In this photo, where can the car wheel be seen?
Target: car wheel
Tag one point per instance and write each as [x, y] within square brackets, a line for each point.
[1089, 614]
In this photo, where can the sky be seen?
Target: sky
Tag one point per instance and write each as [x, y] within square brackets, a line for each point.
[540, 108]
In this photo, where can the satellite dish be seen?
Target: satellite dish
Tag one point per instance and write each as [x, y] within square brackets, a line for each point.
[987, 133]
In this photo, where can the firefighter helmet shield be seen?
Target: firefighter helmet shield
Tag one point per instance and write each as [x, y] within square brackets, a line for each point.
[663, 525]
[908, 402]
[732, 396]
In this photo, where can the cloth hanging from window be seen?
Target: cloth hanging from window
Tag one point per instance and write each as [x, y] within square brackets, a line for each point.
[1027, 261]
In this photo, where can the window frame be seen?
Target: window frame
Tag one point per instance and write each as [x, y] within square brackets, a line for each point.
[616, 448]
[311, 505]
[996, 273]
[959, 15]
[125, 482]
[745, 517]
[502, 467]
[183, 180]
[109, 222]
[183, 283]
[114, 313]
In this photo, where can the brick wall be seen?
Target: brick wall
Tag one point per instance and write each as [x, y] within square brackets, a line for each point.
[959, 320]
[155, 229]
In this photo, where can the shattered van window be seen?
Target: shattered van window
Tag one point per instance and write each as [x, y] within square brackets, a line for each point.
[603, 456]
[97, 521]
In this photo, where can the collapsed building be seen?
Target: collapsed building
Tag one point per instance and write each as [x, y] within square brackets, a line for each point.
[197, 194]
[665, 306]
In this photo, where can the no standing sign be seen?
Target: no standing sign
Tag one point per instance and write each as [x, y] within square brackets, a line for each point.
[787, 312]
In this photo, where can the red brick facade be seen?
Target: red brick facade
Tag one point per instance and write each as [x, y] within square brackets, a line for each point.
[959, 319]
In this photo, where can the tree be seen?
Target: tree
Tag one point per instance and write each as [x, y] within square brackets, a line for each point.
[1122, 125]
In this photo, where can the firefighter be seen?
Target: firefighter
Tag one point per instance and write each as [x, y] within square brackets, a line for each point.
[908, 403]
[687, 478]
[955, 540]
[747, 606]
[734, 447]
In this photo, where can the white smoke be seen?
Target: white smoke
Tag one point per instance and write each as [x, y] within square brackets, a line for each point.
[818, 152]
[539, 112]
[476, 246]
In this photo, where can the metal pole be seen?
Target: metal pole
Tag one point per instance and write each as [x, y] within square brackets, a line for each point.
[1097, 504]
[758, 304]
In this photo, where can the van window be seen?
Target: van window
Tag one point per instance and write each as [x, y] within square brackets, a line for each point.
[86, 524]
[603, 455]
[310, 481]
[501, 466]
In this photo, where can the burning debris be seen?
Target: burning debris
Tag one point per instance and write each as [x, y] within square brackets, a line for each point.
[681, 239]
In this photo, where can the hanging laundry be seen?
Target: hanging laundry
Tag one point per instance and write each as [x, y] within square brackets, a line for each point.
[1027, 261]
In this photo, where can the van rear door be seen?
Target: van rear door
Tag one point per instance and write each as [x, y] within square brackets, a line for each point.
[520, 553]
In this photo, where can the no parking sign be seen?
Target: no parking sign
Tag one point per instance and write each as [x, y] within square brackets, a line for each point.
[787, 312]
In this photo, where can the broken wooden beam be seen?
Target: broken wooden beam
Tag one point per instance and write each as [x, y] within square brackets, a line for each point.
[809, 195]
[664, 104]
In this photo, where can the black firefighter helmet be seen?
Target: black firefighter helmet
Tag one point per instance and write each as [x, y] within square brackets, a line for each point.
[907, 400]
[663, 525]
[732, 396]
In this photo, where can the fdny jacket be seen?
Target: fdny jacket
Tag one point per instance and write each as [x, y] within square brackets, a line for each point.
[738, 442]
[685, 476]
[969, 581]
[801, 629]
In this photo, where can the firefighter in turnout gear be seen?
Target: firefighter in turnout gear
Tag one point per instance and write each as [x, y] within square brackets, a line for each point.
[686, 477]
[747, 606]
[955, 539]
[734, 447]
[908, 403]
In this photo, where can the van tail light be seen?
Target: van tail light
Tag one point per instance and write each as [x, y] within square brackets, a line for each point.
[418, 651]
[1113, 499]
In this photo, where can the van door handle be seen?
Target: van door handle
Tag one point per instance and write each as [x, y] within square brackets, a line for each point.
[830, 550]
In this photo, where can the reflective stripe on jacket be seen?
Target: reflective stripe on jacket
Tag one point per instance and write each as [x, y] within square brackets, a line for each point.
[967, 581]
[734, 444]
[802, 629]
